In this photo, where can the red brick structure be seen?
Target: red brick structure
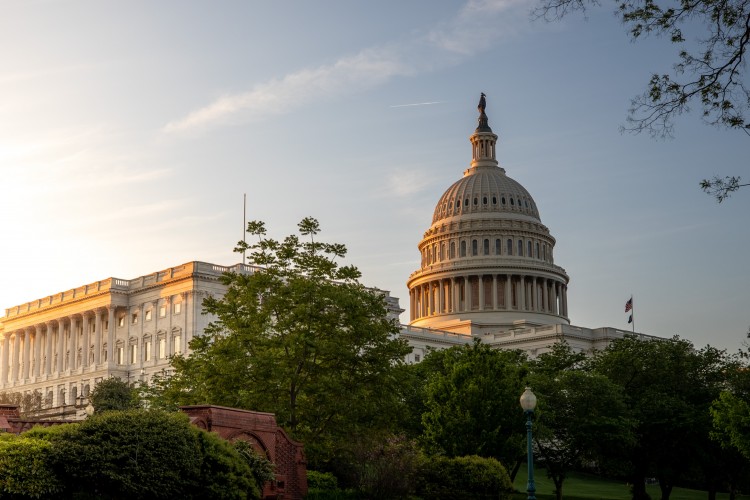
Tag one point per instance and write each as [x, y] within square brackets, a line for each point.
[261, 431]
[257, 428]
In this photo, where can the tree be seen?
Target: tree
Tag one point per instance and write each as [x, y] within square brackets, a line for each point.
[668, 387]
[138, 454]
[581, 417]
[114, 394]
[299, 336]
[731, 412]
[713, 37]
[472, 404]
[28, 403]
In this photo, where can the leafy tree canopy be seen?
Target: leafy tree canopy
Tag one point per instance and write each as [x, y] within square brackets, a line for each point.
[472, 403]
[299, 336]
[712, 39]
[114, 394]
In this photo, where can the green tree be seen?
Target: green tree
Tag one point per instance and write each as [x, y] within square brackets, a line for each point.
[581, 416]
[472, 404]
[28, 403]
[712, 39]
[731, 412]
[140, 454]
[299, 336]
[114, 394]
[668, 387]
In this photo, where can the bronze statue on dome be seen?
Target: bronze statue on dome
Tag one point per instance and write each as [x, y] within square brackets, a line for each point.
[482, 103]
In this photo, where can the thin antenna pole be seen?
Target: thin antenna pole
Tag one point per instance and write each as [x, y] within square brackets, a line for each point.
[244, 225]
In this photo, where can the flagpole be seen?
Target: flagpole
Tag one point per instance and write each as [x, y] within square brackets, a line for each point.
[632, 311]
[244, 225]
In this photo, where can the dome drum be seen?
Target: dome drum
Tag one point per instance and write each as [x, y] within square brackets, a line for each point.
[487, 260]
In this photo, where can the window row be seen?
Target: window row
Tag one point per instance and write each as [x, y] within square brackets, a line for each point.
[176, 309]
[485, 200]
[517, 248]
[132, 350]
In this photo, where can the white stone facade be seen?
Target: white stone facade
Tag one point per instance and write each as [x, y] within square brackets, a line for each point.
[63, 344]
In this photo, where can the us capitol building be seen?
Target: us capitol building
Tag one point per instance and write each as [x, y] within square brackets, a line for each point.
[487, 271]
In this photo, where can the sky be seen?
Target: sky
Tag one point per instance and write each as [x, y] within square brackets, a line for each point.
[130, 131]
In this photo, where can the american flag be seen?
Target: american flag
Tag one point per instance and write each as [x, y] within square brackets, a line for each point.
[629, 304]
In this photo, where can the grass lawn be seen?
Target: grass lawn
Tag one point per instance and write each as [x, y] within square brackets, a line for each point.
[588, 487]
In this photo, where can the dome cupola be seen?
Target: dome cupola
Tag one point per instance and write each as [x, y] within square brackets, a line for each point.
[487, 259]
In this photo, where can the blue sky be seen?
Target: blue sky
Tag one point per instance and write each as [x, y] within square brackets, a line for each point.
[129, 132]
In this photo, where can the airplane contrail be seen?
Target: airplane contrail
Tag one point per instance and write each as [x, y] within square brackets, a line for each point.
[415, 104]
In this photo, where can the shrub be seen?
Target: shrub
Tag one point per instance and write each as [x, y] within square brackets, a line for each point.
[322, 481]
[25, 470]
[464, 477]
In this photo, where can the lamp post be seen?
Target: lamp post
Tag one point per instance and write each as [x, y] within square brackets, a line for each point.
[528, 403]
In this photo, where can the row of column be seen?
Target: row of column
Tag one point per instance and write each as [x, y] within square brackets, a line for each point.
[507, 292]
[55, 345]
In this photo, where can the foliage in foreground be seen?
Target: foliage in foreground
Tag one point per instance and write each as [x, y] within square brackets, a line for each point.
[135, 454]
[114, 394]
[299, 337]
[464, 477]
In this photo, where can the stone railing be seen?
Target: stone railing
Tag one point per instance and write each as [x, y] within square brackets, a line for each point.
[126, 286]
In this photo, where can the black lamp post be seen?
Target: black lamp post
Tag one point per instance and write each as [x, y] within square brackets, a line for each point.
[528, 403]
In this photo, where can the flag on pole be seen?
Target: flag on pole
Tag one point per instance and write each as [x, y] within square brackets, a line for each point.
[629, 305]
[630, 319]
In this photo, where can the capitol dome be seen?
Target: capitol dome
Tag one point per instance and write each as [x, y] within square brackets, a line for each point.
[487, 259]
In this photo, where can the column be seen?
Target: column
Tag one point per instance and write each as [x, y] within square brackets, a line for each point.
[565, 300]
[37, 350]
[454, 302]
[494, 292]
[73, 344]
[111, 335]
[555, 309]
[534, 295]
[441, 292]
[98, 336]
[431, 299]
[16, 360]
[508, 294]
[480, 283]
[411, 306]
[60, 346]
[522, 301]
[467, 293]
[4, 361]
[545, 296]
[85, 340]
[26, 353]
[48, 340]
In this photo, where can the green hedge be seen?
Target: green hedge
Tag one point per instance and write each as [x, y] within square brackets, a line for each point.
[464, 477]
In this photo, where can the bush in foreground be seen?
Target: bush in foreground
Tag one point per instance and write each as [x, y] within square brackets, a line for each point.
[464, 477]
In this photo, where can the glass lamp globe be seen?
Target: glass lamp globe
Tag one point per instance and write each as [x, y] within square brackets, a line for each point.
[528, 400]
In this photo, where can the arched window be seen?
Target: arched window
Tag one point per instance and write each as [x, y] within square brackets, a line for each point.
[537, 249]
[486, 247]
[463, 249]
[442, 251]
[498, 246]
[476, 201]
[466, 202]
[484, 200]
[503, 200]
[458, 203]
[512, 202]
[453, 250]
[520, 248]
[544, 254]
[494, 200]
[509, 245]
[529, 253]
[474, 247]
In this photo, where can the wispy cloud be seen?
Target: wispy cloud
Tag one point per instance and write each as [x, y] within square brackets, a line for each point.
[415, 104]
[478, 25]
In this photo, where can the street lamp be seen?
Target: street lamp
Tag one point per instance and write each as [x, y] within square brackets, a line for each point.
[528, 403]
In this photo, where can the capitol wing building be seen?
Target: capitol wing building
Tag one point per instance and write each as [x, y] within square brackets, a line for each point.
[487, 271]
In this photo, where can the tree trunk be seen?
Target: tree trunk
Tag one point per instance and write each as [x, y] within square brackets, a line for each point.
[666, 489]
[558, 488]
[712, 492]
[514, 471]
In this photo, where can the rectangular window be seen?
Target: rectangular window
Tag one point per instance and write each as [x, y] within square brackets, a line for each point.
[162, 348]
[162, 311]
[178, 308]
[121, 321]
[120, 356]
[416, 358]
[177, 347]
[148, 315]
[133, 354]
[147, 351]
[134, 318]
